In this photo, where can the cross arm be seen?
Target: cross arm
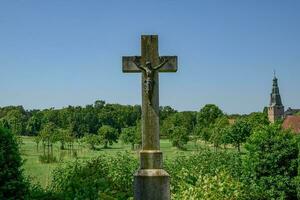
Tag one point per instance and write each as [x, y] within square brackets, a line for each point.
[170, 65]
[129, 64]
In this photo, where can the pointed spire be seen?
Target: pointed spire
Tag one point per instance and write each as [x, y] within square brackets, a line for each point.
[276, 109]
[275, 95]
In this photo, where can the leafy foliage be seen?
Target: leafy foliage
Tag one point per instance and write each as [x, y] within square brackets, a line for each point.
[208, 115]
[179, 136]
[130, 135]
[108, 176]
[271, 162]
[200, 173]
[267, 168]
[213, 187]
[257, 120]
[92, 140]
[239, 132]
[206, 118]
[12, 183]
[219, 132]
[48, 136]
[107, 135]
[78, 120]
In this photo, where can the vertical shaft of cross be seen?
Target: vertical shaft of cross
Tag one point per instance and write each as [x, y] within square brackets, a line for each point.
[150, 110]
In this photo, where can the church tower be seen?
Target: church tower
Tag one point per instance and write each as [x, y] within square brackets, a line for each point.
[276, 109]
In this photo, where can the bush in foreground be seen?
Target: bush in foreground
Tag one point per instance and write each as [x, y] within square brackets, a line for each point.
[266, 170]
[206, 175]
[12, 183]
[104, 177]
[271, 163]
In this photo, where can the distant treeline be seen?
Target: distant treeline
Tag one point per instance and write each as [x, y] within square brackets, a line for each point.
[77, 119]
[82, 120]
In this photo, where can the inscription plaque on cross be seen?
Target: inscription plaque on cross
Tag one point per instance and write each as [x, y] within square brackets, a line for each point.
[150, 181]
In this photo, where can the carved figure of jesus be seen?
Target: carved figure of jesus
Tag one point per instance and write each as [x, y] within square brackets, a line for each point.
[148, 70]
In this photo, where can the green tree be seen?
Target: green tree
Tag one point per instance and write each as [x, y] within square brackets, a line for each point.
[185, 119]
[37, 140]
[48, 136]
[12, 184]
[64, 136]
[206, 118]
[179, 136]
[219, 131]
[208, 115]
[203, 133]
[99, 104]
[4, 123]
[33, 125]
[271, 161]
[108, 135]
[257, 120]
[239, 132]
[92, 140]
[165, 112]
[129, 135]
[16, 119]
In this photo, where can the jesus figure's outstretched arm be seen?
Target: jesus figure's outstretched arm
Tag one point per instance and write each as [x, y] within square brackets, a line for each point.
[161, 64]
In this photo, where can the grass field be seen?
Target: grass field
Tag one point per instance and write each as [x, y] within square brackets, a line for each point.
[41, 172]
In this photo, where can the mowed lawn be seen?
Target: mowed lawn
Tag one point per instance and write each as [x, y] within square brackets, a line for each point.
[41, 172]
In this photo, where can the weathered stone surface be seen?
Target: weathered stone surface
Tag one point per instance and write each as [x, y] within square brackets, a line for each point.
[151, 159]
[150, 181]
[152, 184]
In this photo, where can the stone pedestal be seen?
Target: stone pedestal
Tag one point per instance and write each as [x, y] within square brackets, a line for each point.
[151, 184]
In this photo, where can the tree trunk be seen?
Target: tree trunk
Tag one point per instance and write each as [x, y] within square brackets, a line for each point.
[62, 145]
[105, 145]
[48, 150]
[44, 148]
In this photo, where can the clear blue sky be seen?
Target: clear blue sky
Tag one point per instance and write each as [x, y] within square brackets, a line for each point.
[58, 53]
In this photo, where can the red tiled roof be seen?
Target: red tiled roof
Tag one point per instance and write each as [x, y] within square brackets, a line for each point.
[293, 123]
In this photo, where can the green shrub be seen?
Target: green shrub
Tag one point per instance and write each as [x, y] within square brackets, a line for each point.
[270, 163]
[108, 176]
[36, 192]
[12, 183]
[189, 172]
[213, 187]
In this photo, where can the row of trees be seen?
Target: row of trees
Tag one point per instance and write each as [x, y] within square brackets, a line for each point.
[78, 120]
[104, 124]
[211, 125]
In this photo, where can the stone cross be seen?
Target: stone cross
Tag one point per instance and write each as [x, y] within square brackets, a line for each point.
[150, 181]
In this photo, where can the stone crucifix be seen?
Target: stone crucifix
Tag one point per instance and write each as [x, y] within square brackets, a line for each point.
[150, 181]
